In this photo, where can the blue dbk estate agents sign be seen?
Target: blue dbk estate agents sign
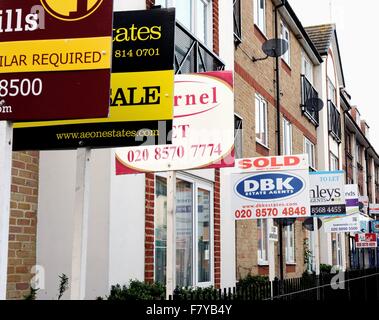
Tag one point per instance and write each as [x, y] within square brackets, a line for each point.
[272, 187]
[327, 193]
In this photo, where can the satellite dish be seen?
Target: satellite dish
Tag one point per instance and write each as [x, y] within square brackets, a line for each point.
[308, 224]
[314, 105]
[285, 221]
[275, 47]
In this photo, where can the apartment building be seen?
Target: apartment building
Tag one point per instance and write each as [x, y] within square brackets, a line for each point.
[256, 108]
[362, 168]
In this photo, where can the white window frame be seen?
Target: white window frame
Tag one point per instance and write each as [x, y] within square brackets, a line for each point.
[290, 245]
[333, 159]
[286, 35]
[261, 107]
[332, 92]
[287, 137]
[307, 71]
[312, 156]
[238, 135]
[197, 183]
[260, 15]
[262, 252]
[193, 20]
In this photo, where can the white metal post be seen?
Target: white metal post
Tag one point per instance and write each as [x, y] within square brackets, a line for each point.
[81, 213]
[271, 256]
[5, 199]
[171, 231]
[316, 246]
[271, 251]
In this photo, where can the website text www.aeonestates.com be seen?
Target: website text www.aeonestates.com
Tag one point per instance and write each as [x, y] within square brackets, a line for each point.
[107, 134]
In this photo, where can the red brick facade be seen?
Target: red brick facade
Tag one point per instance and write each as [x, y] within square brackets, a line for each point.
[22, 223]
[149, 226]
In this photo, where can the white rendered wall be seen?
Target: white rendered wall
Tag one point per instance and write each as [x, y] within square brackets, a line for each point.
[123, 5]
[55, 221]
[127, 228]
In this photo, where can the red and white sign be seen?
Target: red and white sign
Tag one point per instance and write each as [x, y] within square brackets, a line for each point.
[275, 163]
[203, 129]
[374, 208]
[271, 187]
[365, 240]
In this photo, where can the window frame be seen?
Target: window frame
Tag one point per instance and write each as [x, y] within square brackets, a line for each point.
[193, 28]
[290, 228]
[262, 103]
[238, 132]
[197, 183]
[261, 25]
[306, 61]
[284, 31]
[312, 164]
[287, 128]
[333, 157]
[262, 230]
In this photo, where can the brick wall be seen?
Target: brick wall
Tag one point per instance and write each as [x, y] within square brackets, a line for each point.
[215, 8]
[259, 77]
[149, 226]
[217, 231]
[149, 3]
[22, 224]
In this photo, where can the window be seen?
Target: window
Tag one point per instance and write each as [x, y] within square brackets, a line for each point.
[194, 230]
[195, 15]
[261, 120]
[238, 137]
[309, 149]
[287, 137]
[290, 244]
[307, 68]
[334, 121]
[285, 34]
[334, 165]
[237, 21]
[260, 14]
[331, 91]
[359, 154]
[348, 142]
[262, 241]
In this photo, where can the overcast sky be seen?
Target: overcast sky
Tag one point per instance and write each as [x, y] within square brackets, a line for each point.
[357, 31]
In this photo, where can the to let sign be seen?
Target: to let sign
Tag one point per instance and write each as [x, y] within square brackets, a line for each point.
[327, 193]
[365, 240]
[55, 59]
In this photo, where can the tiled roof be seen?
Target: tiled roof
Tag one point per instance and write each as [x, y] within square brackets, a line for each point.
[321, 36]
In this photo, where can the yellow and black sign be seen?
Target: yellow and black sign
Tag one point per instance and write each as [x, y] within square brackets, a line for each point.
[142, 90]
[71, 10]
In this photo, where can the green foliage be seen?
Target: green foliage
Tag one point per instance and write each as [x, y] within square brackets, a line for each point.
[32, 294]
[63, 285]
[137, 290]
[250, 280]
[325, 268]
[197, 292]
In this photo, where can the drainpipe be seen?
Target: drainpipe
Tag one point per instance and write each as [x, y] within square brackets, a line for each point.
[279, 146]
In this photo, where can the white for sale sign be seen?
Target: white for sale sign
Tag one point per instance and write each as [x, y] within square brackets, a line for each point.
[271, 187]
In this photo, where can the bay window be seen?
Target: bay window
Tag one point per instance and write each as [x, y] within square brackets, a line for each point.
[194, 230]
[260, 15]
